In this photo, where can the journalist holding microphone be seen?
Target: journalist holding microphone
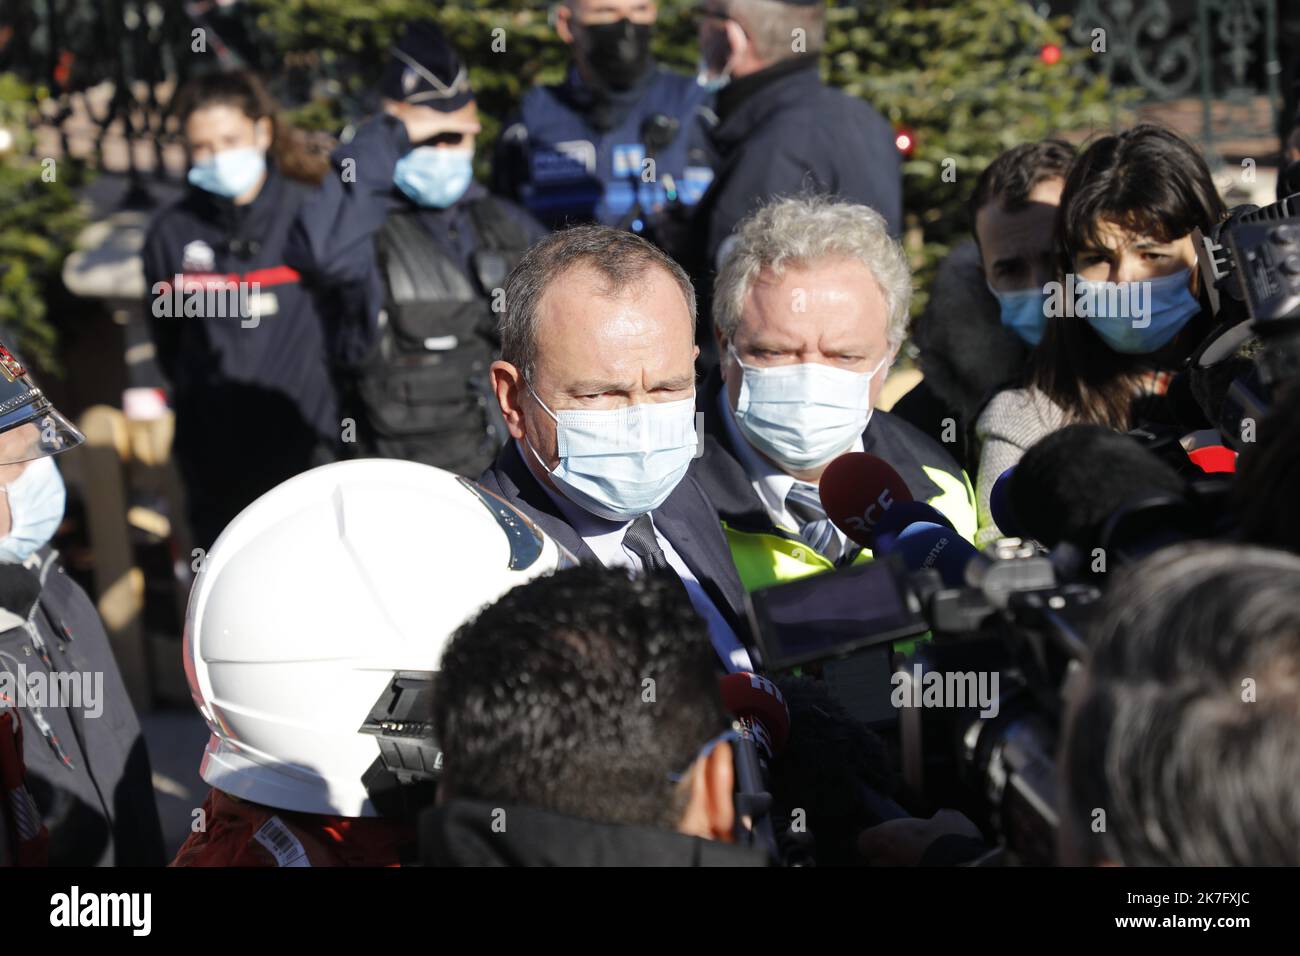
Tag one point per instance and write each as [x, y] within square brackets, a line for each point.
[810, 308]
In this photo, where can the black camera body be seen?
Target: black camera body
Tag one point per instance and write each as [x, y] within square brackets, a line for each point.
[1250, 268]
[1013, 637]
[968, 684]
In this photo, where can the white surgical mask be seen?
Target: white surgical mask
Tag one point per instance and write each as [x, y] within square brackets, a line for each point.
[36, 500]
[804, 415]
[619, 463]
[231, 172]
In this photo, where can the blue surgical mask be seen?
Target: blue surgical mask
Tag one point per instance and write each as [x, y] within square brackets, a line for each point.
[435, 176]
[36, 499]
[802, 416]
[1023, 312]
[1169, 306]
[620, 463]
[231, 172]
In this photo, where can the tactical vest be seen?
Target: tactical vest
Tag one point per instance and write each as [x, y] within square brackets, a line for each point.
[576, 172]
[423, 392]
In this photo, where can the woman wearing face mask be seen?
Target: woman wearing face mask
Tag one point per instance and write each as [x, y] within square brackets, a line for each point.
[1126, 313]
[236, 334]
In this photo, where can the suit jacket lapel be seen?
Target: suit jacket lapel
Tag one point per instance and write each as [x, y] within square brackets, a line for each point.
[706, 552]
[523, 489]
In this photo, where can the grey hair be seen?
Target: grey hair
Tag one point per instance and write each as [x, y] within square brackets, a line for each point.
[805, 230]
[771, 25]
[620, 258]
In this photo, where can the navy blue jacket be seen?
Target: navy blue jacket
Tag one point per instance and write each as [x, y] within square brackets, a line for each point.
[782, 132]
[87, 769]
[206, 238]
[333, 243]
[571, 155]
[686, 519]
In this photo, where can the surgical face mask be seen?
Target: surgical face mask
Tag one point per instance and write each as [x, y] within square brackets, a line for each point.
[1023, 312]
[231, 172]
[618, 53]
[435, 176]
[802, 416]
[707, 78]
[619, 463]
[36, 499]
[1169, 306]
[714, 69]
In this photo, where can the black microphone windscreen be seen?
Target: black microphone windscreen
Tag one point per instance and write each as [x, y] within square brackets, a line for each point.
[1067, 485]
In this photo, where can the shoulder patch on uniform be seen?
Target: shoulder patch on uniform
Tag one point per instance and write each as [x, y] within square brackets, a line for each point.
[197, 256]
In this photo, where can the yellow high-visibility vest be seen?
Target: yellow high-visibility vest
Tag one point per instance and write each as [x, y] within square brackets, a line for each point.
[764, 558]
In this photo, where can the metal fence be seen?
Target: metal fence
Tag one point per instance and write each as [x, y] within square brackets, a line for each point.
[1225, 52]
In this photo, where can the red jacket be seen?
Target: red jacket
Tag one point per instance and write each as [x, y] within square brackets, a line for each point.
[239, 833]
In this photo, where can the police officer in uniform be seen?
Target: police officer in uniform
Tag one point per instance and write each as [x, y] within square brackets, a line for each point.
[621, 141]
[405, 252]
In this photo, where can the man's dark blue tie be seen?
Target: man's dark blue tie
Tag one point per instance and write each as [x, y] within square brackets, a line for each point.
[641, 540]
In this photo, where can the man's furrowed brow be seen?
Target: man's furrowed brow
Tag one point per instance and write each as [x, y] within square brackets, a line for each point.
[677, 382]
[595, 386]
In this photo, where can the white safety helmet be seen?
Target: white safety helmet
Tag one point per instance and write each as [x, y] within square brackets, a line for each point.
[313, 599]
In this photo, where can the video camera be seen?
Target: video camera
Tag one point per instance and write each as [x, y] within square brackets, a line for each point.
[1250, 268]
[967, 683]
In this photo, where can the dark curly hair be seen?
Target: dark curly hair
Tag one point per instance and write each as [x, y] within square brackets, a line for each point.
[579, 693]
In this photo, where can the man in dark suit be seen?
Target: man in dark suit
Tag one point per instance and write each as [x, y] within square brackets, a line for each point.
[811, 309]
[596, 383]
[781, 131]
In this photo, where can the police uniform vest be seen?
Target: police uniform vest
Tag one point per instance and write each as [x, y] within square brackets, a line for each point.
[424, 390]
[566, 166]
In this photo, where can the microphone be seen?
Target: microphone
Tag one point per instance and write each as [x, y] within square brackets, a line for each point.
[857, 490]
[924, 545]
[900, 516]
[1067, 486]
[761, 711]
[757, 703]
[1004, 516]
[1214, 459]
